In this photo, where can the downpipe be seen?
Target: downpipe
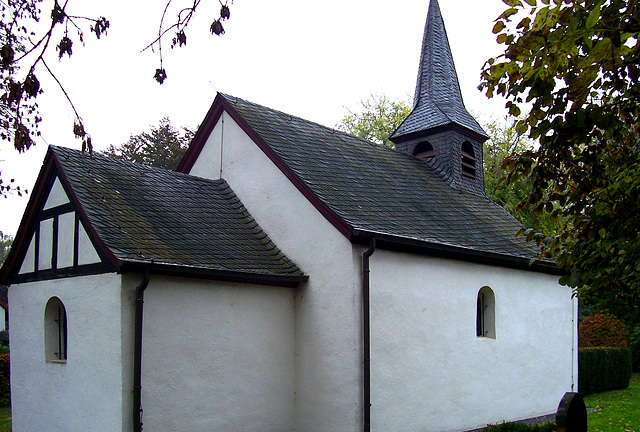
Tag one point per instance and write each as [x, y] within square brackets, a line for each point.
[366, 336]
[137, 353]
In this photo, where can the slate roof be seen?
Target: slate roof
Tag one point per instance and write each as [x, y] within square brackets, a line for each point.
[380, 191]
[155, 216]
[438, 99]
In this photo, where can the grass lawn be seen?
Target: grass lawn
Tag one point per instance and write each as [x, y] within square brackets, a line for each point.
[616, 410]
[5, 419]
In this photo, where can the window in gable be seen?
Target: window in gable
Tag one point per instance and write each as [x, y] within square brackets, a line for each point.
[468, 160]
[486, 313]
[423, 150]
[55, 331]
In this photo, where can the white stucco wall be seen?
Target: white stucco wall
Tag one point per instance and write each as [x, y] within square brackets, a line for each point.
[429, 369]
[86, 392]
[327, 308]
[217, 357]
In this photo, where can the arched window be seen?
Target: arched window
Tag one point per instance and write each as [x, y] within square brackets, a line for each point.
[486, 313]
[423, 150]
[468, 160]
[55, 331]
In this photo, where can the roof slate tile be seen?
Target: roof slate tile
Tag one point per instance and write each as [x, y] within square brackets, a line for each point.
[152, 215]
[378, 190]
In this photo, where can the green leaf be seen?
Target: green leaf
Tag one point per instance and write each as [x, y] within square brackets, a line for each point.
[541, 18]
[594, 15]
[602, 232]
[507, 13]
[521, 127]
[512, 3]
[531, 2]
[498, 27]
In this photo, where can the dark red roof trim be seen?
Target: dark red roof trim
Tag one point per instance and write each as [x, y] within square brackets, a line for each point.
[219, 275]
[408, 245]
[22, 239]
[215, 112]
[82, 270]
[202, 134]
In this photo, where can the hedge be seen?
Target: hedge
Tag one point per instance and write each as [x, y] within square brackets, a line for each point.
[5, 388]
[602, 369]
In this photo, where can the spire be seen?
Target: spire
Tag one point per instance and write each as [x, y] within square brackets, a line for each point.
[438, 101]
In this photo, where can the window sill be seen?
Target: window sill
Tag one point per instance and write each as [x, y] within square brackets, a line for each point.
[57, 361]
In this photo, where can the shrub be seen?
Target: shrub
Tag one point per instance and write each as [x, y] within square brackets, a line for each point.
[5, 388]
[601, 369]
[521, 427]
[4, 337]
[634, 346]
[602, 330]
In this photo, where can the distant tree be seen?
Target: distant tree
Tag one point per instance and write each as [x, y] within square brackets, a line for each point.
[162, 147]
[377, 119]
[5, 246]
[504, 141]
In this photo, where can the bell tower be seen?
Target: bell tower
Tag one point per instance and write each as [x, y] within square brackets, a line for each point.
[439, 129]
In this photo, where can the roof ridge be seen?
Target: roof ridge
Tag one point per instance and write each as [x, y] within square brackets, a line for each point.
[229, 98]
[60, 150]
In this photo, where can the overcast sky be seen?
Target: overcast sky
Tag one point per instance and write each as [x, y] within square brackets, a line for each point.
[315, 60]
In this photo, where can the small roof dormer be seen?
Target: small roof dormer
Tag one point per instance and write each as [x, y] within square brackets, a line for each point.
[439, 116]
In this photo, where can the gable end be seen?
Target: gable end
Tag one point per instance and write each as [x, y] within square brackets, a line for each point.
[222, 105]
[55, 239]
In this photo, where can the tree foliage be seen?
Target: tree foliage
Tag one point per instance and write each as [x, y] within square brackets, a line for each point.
[29, 29]
[574, 67]
[377, 119]
[503, 142]
[163, 146]
[182, 19]
[24, 43]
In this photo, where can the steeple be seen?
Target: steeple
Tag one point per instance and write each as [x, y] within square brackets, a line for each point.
[439, 128]
[437, 101]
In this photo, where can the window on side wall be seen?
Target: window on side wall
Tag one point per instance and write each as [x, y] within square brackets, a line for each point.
[486, 313]
[55, 331]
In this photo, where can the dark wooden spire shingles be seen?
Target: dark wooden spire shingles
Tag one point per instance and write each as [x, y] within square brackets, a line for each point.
[438, 99]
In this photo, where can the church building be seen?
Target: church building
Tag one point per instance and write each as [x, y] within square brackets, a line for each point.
[287, 277]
